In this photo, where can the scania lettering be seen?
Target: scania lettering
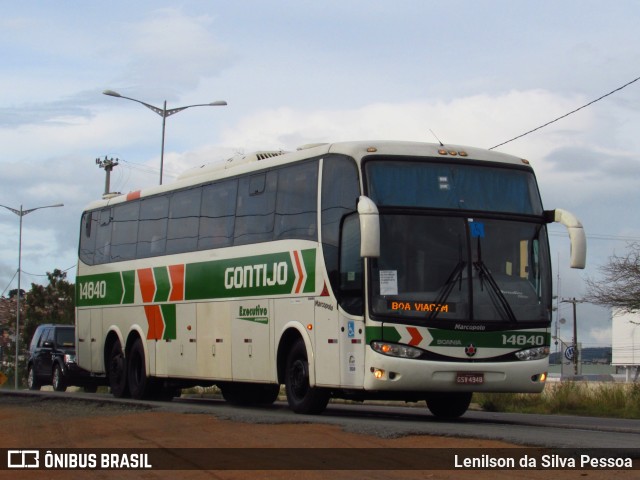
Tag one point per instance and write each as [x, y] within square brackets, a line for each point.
[359, 270]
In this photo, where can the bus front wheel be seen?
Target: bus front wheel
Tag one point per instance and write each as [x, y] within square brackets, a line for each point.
[449, 405]
[302, 398]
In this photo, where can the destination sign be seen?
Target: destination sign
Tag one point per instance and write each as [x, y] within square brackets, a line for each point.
[415, 306]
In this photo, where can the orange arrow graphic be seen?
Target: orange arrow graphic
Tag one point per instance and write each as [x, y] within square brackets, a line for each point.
[416, 338]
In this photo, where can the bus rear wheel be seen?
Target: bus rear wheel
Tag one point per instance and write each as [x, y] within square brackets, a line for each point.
[302, 398]
[140, 385]
[449, 405]
[117, 371]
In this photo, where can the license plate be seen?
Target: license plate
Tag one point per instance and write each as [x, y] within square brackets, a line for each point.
[469, 378]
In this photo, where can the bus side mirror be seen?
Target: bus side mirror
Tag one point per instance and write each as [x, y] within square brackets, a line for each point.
[369, 228]
[576, 235]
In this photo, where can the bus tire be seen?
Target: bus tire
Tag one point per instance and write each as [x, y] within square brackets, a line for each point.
[57, 379]
[140, 386]
[449, 405]
[302, 398]
[117, 372]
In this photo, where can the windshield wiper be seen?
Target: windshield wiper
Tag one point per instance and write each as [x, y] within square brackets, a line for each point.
[455, 275]
[495, 294]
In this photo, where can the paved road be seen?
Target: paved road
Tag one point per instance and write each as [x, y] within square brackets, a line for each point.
[558, 431]
[554, 431]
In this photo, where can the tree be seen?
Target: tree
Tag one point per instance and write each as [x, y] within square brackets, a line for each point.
[53, 303]
[620, 283]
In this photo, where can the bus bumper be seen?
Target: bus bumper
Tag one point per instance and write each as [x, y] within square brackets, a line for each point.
[385, 373]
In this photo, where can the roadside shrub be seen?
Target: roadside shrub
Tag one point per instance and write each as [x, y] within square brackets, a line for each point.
[569, 398]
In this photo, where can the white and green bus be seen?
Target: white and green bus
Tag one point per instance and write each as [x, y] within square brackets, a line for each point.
[359, 270]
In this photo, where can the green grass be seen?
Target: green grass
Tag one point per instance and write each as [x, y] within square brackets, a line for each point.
[569, 398]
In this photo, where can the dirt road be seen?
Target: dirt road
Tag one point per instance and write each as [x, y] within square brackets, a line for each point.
[43, 422]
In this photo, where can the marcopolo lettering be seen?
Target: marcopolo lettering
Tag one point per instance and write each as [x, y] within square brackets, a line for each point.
[261, 275]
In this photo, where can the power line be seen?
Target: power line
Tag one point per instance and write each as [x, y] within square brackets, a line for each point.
[44, 275]
[10, 281]
[599, 236]
[567, 114]
[140, 167]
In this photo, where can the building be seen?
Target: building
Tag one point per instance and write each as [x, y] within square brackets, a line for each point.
[625, 342]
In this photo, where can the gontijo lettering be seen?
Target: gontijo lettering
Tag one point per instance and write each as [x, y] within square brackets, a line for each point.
[260, 275]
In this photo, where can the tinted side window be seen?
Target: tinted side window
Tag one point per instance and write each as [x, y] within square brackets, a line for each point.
[182, 233]
[296, 206]
[88, 233]
[65, 337]
[256, 208]
[35, 341]
[103, 237]
[152, 233]
[217, 214]
[124, 231]
[340, 192]
[351, 266]
[47, 336]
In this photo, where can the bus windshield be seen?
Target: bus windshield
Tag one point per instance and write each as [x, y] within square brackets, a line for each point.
[462, 267]
[423, 184]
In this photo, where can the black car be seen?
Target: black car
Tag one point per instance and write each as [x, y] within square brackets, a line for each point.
[52, 360]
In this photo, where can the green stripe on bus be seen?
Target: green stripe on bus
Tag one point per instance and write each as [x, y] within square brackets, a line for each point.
[105, 289]
[163, 285]
[309, 260]
[129, 282]
[454, 338]
[499, 339]
[389, 334]
[269, 274]
[169, 317]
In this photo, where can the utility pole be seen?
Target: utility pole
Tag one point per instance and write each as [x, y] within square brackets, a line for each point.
[108, 164]
[575, 333]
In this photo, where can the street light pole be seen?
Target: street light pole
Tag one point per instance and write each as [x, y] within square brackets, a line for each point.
[21, 213]
[164, 113]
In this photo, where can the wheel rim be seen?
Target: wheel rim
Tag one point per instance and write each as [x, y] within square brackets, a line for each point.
[56, 378]
[30, 378]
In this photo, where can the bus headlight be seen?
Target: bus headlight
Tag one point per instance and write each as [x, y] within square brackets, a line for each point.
[533, 353]
[396, 350]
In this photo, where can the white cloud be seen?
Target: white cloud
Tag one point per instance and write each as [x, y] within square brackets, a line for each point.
[168, 52]
[480, 120]
[601, 336]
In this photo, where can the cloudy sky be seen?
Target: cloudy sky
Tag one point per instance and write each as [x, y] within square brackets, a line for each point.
[295, 72]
